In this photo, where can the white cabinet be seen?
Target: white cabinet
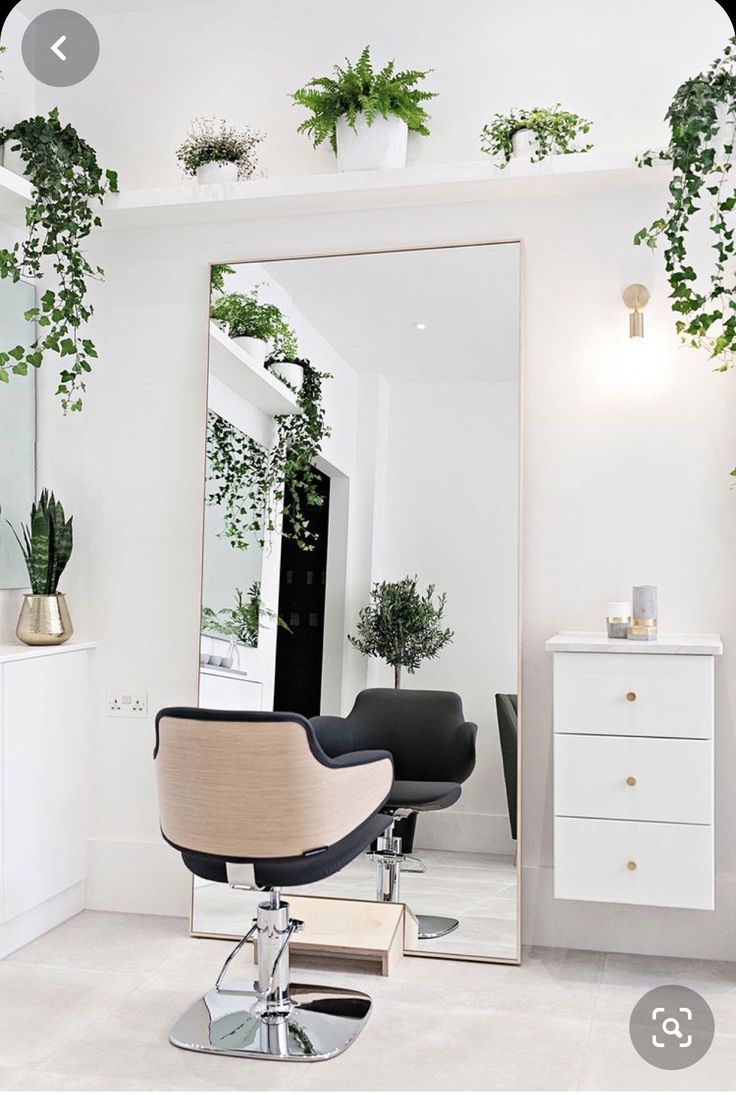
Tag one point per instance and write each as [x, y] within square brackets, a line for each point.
[228, 690]
[633, 769]
[43, 788]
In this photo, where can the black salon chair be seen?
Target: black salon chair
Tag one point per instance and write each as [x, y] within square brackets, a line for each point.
[507, 710]
[433, 750]
[251, 799]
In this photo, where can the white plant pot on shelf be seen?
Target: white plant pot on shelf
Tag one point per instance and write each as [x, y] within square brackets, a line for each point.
[12, 160]
[524, 144]
[289, 372]
[256, 348]
[373, 147]
[217, 173]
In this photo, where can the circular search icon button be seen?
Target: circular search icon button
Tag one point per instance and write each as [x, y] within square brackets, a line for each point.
[60, 47]
[672, 1027]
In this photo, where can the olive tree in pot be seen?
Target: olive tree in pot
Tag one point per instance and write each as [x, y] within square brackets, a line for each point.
[46, 544]
[365, 115]
[254, 326]
[402, 626]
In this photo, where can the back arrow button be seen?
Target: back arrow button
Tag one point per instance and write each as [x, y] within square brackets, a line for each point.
[55, 48]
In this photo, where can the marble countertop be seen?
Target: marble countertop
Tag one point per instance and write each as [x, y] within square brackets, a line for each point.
[15, 652]
[597, 642]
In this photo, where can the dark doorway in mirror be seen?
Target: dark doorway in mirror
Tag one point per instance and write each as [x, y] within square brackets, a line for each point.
[298, 679]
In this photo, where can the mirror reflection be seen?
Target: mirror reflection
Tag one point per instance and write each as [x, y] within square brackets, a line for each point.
[18, 433]
[360, 560]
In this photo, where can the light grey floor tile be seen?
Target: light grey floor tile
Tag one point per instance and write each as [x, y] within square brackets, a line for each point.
[612, 1063]
[101, 942]
[42, 1008]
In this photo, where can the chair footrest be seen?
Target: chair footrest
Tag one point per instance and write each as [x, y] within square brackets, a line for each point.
[322, 1022]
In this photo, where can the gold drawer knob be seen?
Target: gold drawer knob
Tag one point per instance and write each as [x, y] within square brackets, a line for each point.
[631, 696]
[631, 865]
[631, 781]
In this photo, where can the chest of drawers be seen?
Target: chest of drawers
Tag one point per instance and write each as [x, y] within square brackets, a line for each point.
[633, 769]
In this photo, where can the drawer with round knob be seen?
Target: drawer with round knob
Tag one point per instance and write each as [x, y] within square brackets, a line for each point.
[662, 695]
[634, 862]
[634, 779]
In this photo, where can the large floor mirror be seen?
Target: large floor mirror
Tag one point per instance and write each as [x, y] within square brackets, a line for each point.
[361, 559]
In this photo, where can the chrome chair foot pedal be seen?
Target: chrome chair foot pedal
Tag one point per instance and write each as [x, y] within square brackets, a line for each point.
[434, 927]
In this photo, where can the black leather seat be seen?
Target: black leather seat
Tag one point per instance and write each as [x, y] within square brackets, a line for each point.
[432, 746]
[433, 752]
[507, 710]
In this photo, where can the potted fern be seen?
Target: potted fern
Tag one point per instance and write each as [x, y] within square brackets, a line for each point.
[254, 326]
[365, 115]
[46, 543]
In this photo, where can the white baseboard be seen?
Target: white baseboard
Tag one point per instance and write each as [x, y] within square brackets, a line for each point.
[626, 929]
[457, 831]
[23, 929]
[138, 877]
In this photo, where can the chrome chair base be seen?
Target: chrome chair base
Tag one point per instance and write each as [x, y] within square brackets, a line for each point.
[321, 1023]
[433, 927]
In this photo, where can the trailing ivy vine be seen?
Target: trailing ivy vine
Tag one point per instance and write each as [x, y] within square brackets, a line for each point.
[702, 121]
[258, 487]
[68, 187]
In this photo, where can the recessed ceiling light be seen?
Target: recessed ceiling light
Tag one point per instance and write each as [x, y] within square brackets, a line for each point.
[421, 326]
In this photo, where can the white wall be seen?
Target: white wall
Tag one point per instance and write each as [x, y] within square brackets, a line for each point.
[617, 64]
[625, 473]
[451, 517]
[626, 459]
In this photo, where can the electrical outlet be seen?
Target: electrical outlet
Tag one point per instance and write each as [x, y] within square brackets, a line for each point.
[127, 705]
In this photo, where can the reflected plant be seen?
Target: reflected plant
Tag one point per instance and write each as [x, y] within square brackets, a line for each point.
[261, 489]
[402, 626]
[241, 623]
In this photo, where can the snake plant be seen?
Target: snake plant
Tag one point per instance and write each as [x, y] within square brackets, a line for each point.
[46, 544]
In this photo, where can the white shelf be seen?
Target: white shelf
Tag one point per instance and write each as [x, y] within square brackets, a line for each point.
[355, 190]
[15, 195]
[16, 652]
[235, 368]
[584, 642]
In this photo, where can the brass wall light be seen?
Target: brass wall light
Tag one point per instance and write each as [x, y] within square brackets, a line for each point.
[636, 297]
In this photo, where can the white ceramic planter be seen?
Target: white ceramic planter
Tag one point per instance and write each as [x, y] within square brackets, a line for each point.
[217, 173]
[256, 348]
[524, 144]
[289, 372]
[11, 160]
[371, 147]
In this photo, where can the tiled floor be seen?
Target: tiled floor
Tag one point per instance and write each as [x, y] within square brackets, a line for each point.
[89, 1007]
[479, 890]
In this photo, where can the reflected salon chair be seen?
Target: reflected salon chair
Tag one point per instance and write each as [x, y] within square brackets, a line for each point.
[507, 707]
[433, 751]
[251, 799]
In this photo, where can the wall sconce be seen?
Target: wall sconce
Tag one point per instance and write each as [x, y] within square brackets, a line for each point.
[636, 297]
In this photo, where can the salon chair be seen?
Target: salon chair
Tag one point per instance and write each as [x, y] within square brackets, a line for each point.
[251, 799]
[433, 750]
[507, 707]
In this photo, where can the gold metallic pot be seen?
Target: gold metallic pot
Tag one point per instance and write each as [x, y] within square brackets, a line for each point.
[44, 620]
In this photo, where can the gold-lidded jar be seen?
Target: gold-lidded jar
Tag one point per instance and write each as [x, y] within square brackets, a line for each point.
[44, 620]
[618, 619]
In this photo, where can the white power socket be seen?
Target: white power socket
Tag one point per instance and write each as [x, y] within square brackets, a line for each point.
[127, 705]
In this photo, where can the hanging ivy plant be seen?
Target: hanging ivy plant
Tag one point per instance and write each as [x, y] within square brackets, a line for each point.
[702, 121]
[68, 187]
[257, 486]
